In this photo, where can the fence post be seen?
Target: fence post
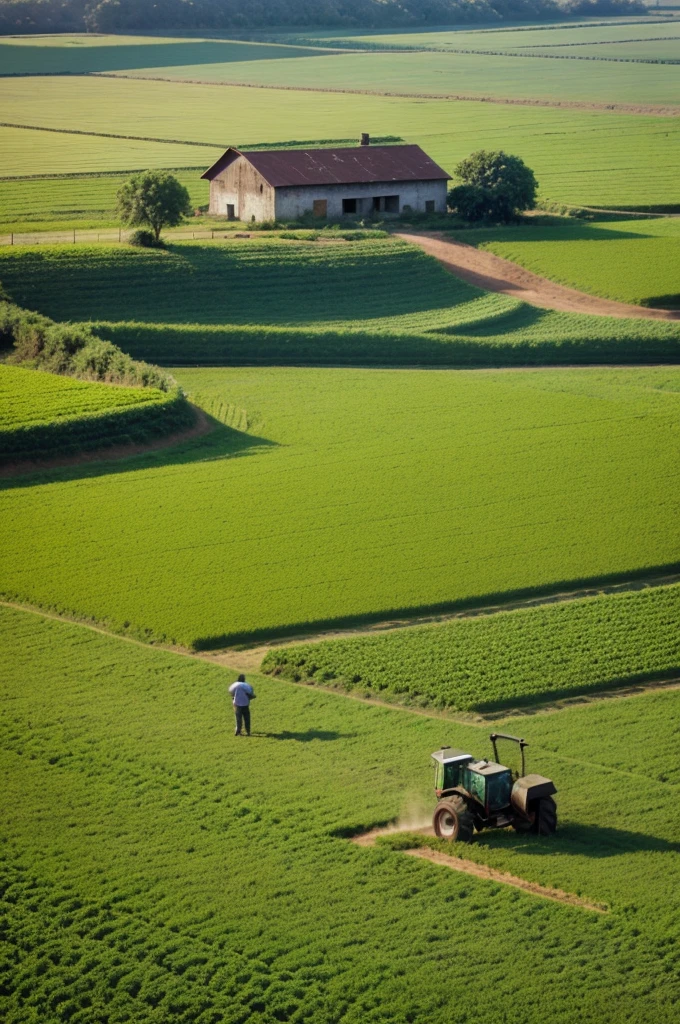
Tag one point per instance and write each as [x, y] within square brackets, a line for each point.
[120, 234]
[74, 236]
[12, 239]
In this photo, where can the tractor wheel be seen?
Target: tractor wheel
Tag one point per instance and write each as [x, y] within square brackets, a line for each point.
[546, 816]
[542, 818]
[453, 820]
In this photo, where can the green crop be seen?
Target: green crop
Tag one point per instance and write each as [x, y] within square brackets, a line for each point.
[155, 868]
[43, 414]
[31, 397]
[173, 307]
[508, 658]
[583, 157]
[26, 202]
[346, 495]
[633, 261]
[120, 53]
[462, 75]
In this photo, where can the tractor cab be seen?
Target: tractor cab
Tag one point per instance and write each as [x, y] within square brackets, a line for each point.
[486, 783]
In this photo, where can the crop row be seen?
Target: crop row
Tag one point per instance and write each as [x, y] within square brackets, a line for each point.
[156, 868]
[83, 421]
[502, 659]
[202, 304]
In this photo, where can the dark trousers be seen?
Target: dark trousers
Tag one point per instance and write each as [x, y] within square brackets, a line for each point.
[242, 718]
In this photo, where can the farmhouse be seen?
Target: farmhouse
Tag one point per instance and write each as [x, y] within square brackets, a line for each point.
[285, 184]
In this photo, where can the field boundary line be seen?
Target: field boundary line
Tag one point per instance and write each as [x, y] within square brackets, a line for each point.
[477, 870]
[106, 135]
[643, 110]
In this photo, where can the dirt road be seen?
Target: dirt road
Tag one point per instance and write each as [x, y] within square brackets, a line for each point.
[495, 274]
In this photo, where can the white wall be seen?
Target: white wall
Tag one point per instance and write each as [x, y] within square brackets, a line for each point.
[294, 202]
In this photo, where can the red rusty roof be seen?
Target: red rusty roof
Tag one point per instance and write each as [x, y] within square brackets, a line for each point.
[347, 166]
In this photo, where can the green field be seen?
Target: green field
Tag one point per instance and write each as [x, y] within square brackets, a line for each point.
[458, 75]
[581, 157]
[509, 658]
[31, 397]
[357, 494]
[633, 261]
[171, 307]
[158, 869]
[499, 38]
[34, 203]
[110, 53]
[45, 415]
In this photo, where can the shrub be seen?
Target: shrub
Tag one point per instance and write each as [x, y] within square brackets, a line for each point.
[145, 239]
[72, 350]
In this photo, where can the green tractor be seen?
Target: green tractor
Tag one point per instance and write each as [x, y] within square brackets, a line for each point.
[474, 795]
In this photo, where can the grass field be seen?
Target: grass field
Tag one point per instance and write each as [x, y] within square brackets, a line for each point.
[483, 483]
[505, 659]
[158, 869]
[461, 74]
[633, 261]
[580, 157]
[171, 307]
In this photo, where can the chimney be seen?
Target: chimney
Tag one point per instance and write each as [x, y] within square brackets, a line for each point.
[365, 139]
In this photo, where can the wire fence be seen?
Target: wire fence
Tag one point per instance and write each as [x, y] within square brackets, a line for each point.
[76, 237]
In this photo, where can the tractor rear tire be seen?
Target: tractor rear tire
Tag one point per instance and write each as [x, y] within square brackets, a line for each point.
[542, 818]
[453, 820]
[546, 816]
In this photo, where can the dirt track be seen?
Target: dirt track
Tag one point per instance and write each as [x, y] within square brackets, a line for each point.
[495, 274]
[471, 867]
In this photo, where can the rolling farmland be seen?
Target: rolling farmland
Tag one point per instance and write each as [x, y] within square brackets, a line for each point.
[531, 479]
[632, 261]
[346, 475]
[123, 765]
[170, 307]
[582, 157]
[505, 659]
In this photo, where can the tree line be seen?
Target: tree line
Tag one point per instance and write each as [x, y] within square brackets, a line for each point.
[17, 16]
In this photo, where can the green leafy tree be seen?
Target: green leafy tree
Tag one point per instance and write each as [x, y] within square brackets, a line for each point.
[496, 186]
[155, 199]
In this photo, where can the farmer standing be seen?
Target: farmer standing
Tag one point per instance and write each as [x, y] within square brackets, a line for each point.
[242, 693]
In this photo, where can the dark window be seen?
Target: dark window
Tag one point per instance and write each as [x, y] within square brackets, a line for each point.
[349, 206]
[391, 204]
[261, 189]
[376, 203]
[429, 206]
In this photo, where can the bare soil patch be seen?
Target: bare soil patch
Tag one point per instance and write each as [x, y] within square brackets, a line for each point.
[470, 867]
[201, 426]
[495, 274]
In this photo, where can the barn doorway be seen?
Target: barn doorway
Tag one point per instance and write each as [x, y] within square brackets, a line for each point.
[320, 208]
[231, 211]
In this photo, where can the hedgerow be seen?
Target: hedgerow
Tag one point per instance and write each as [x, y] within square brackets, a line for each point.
[502, 659]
